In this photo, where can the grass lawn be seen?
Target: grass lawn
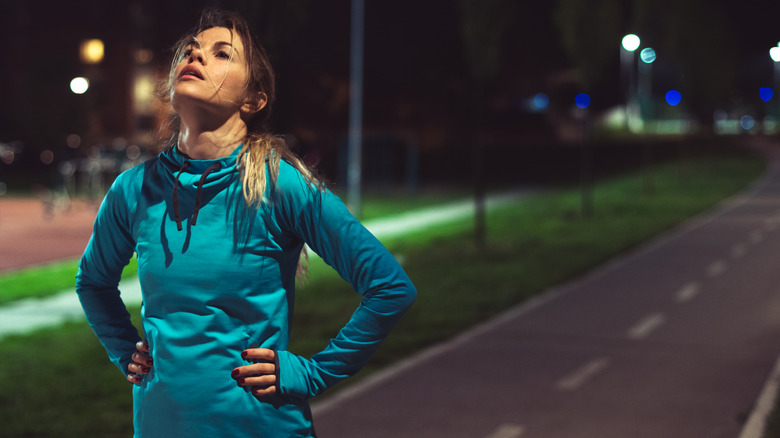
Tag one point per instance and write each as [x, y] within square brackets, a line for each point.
[58, 381]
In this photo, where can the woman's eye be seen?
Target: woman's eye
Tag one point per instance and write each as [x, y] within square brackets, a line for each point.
[223, 55]
[187, 53]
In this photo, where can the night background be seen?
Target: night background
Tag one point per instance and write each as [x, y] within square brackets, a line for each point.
[428, 85]
[592, 231]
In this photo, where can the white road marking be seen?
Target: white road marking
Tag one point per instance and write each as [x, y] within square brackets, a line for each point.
[716, 268]
[507, 431]
[646, 325]
[756, 236]
[582, 374]
[738, 250]
[687, 292]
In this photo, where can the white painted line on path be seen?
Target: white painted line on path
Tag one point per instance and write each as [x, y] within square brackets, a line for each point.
[582, 374]
[687, 292]
[754, 427]
[738, 250]
[646, 325]
[716, 268]
[507, 431]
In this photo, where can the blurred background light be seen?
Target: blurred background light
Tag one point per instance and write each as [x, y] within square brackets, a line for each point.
[673, 97]
[91, 51]
[647, 55]
[774, 53]
[766, 93]
[73, 141]
[540, 102]
[47, 156]
[582, 100]
[631, 42]
[747, 122]
[79, 85]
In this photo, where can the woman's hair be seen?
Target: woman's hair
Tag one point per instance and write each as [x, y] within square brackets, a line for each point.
[260, 144]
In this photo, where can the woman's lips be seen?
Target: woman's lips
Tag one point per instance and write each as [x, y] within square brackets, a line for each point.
[190, 72]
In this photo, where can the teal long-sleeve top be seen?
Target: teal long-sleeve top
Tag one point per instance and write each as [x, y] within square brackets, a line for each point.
[218, 277]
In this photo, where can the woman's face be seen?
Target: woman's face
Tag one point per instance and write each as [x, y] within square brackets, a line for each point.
[213, 72]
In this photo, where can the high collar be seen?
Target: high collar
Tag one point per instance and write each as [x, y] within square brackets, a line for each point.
[209, 176]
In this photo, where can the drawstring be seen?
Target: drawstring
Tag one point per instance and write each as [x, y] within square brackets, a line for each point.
[213, 167]
[176, 195]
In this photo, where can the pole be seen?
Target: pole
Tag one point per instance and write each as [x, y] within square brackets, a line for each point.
[355, 107]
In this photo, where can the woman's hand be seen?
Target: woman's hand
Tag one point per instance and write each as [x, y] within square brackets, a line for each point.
[141, 363]
[259, 377]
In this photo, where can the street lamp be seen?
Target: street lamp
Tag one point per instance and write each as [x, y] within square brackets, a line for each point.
[774, 53]
[628, 46]
[647, 56]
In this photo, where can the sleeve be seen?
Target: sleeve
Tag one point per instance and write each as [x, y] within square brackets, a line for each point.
[109, 250]
[322, 220]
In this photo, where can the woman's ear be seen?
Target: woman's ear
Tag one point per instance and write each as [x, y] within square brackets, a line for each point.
[254, 103]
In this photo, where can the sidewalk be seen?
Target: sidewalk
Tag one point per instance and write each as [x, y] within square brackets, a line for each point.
[34, 313]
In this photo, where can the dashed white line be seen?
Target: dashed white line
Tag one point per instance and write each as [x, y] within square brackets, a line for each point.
[687, 292]
[507, 431]
[738, 250]
[578, 377]
[716, 268]
[646, 325]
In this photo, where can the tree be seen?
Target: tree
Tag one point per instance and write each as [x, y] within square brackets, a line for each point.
[483, 25]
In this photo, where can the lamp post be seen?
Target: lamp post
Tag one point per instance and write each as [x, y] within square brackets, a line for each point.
[774, 53]
[646, 58]
[628, 46]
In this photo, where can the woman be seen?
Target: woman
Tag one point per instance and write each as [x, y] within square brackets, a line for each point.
[218, 222]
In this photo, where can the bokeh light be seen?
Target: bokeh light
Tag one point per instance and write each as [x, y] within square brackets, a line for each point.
[73, 141]
[647, 55]
[540, 102]
[673, 97]
[774, 53]
[582, 100]
[747, 122]
[92, 51]
[79, 85]
[766, 93]
[631, 42]
[47, 156]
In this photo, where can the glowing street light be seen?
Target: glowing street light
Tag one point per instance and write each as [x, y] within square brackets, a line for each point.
[92, 51]
[79, 85]
[774, 53]
[628, 46]
[630, 42]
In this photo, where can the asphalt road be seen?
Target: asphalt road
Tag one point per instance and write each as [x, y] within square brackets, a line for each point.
[676, 339]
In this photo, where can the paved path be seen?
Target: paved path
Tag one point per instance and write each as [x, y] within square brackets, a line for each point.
[30, 314]
[676, 339]
[32, 234]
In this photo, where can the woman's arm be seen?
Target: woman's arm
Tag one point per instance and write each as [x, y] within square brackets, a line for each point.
[324, 223]
[108, 252]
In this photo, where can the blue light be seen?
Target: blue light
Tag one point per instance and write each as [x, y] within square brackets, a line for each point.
[582, 100]
[673, 97]
[647, 55]
[540, 102]
[747, 122]
[766, 93]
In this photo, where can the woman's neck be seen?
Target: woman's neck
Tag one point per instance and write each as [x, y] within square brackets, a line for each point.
[208, 143]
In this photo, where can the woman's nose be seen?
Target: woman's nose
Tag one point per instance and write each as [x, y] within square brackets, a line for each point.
[197, 55]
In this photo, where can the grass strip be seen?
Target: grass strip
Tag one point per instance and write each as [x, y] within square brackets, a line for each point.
[54, 379]
[46, 280]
